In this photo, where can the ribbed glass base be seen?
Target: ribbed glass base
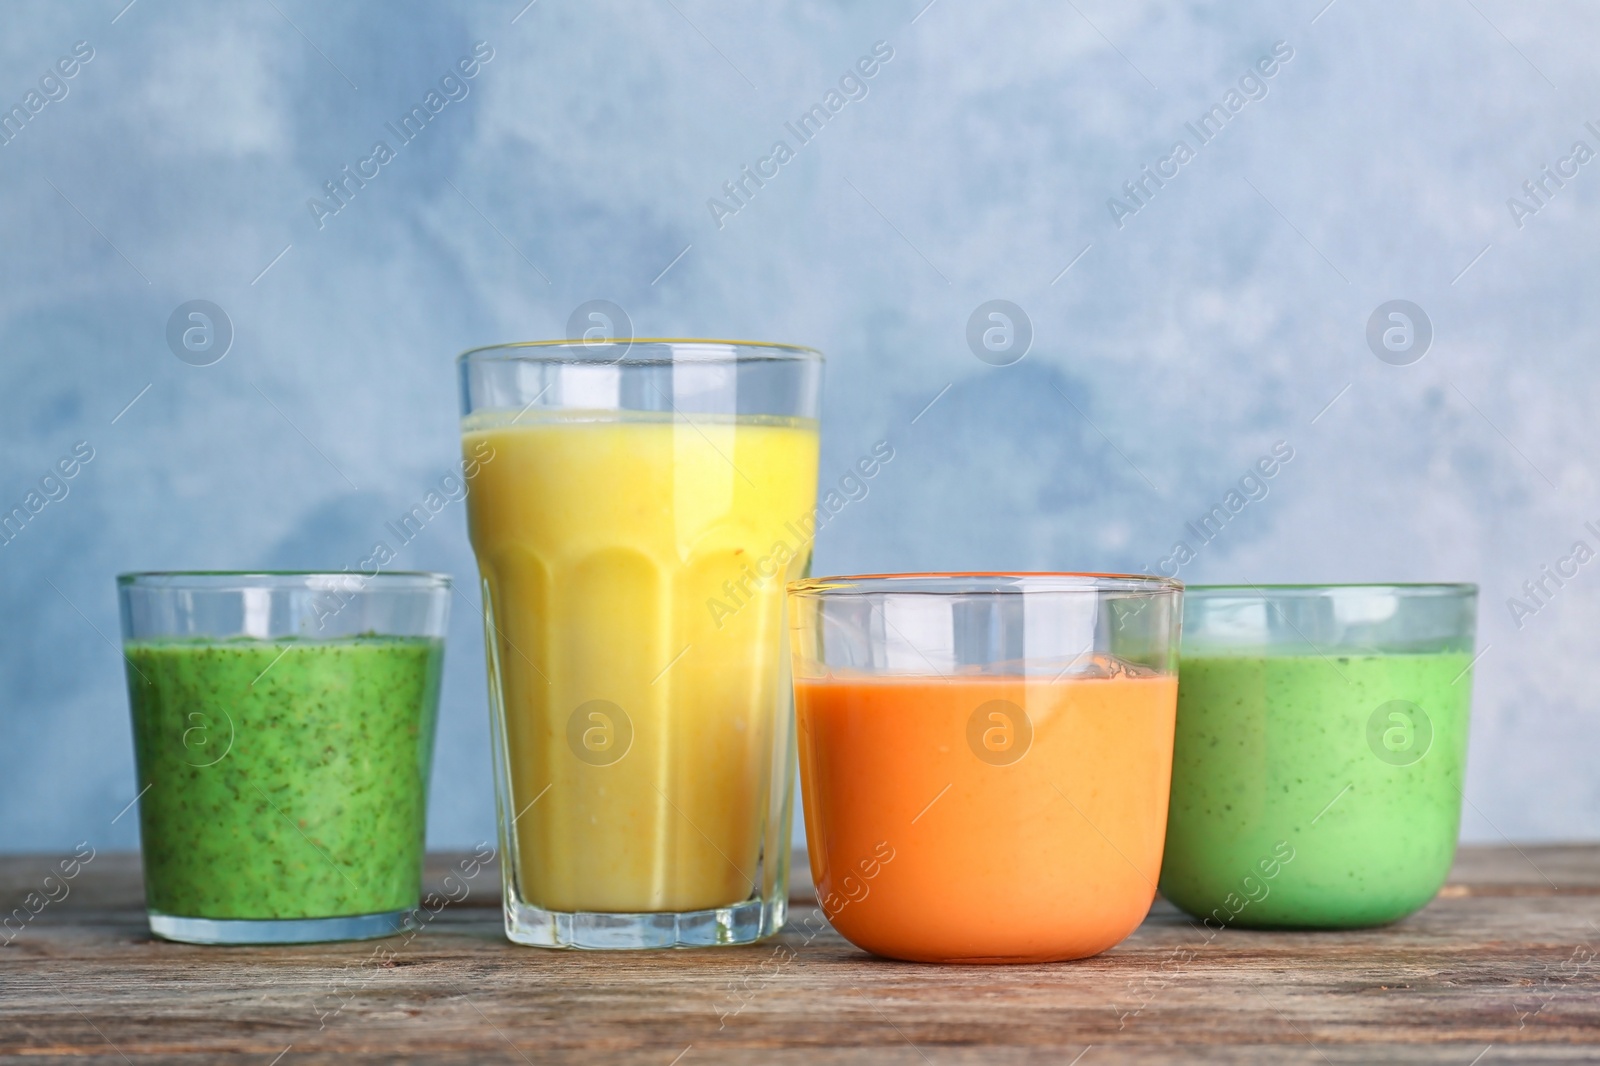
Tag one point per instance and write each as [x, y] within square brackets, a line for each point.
[743, 923]
[277, 930]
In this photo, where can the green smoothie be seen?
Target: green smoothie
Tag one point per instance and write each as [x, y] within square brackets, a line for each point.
[1315, 792]
[286, 778]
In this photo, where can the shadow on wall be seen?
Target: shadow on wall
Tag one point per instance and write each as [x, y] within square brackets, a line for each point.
[1022, 447]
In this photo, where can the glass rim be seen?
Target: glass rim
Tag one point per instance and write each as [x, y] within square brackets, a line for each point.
[1056, 581]
[1408, 588]
[225, 580]
[736, 351]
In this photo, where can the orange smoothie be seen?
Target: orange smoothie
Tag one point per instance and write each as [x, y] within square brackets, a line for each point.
[633, 569]
[944, 826]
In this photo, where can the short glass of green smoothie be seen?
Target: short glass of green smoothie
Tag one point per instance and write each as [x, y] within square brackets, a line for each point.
[1320, 752]
[283, 728]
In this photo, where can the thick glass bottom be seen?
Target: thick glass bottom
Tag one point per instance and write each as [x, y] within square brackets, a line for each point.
[742, 923]
[277, 930]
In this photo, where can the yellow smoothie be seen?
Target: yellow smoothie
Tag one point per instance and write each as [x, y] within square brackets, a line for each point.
[633, 568]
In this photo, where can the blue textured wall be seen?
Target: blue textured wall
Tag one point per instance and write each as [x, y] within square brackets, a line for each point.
[1177, 333]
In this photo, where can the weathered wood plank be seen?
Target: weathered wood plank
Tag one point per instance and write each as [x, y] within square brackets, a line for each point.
[1508, 958]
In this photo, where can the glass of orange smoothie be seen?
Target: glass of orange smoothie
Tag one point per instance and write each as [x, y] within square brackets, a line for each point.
[985, 758]
[636, 512]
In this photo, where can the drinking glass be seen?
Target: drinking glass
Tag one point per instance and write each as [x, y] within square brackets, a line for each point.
[985, 758]
[1321, 747]
[283, 727]
[635, 512]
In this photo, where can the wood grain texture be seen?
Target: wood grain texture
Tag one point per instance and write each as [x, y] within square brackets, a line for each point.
[1506, 959]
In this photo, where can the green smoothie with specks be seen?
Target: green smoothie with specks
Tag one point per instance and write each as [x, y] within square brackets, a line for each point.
[283, 778]
[1315, 791]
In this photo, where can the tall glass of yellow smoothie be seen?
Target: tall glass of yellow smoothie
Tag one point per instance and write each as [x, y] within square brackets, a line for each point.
[636, 513]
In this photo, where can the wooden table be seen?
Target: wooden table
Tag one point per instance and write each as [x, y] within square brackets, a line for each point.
[1501, 967]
